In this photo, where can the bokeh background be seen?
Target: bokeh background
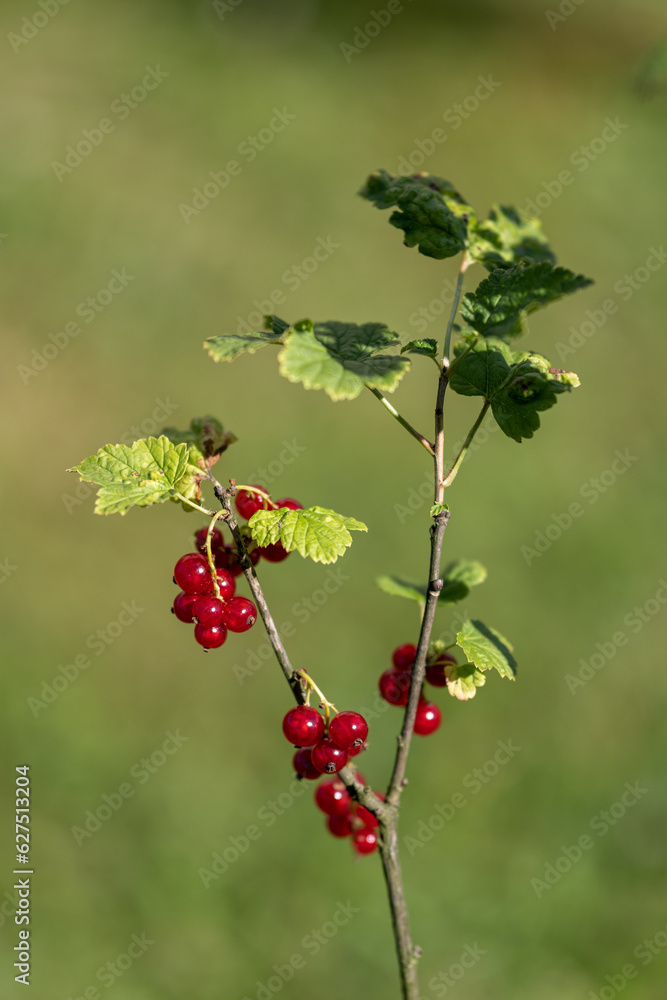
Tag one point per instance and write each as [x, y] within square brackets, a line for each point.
[66, 572]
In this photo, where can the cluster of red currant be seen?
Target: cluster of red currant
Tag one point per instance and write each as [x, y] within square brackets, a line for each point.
[248, 503]
[394, 685]
[211, 605]
[321, 752]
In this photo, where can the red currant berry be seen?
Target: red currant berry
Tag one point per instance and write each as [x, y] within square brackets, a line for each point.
[366, 817]
[210, 636]
[239, 614]
[403, 657]
[354, 751]
[288, 502]
[394, 687]
[274, 553]
[216, 539]
[191, 573]
[332, 798]
[435, 674]
[339, 826]
[248, 502]
[208, 611]
[226, 584]
[183, 607]
[348, 729]
[303, 726]
[329, 758]
[428, 718]
[303, 765]
[365, 841]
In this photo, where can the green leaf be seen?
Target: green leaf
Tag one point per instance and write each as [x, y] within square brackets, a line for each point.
[508, 237]
[463, 680]
[316, 533]
[518, 385]
[437, 509]
[398, 587]
[430, 211]
[207, 435]
[151, 471]
[229, 346]
[499, 303]
[427, 347]
[458, 578]
[341, 358]
[486, 648]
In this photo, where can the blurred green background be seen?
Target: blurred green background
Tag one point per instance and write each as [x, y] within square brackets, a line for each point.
[66, 573]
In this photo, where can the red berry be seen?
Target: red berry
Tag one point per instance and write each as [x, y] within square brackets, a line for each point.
[210, 636]
[183, 607]
[366, 817]
[436, 675]
[288, 502]
[365, 841]
[339, 826]
[239, 614]
[248, 503]
[216, 539]
[348, 729]
[225, 583]
[428, 718]
[329, 758]
[394, 687]
[403, 657]
[274, 553]
[303, 726]
[353, 751]
[333, 798]
[191, 573]
[303, 765]
[208, 610]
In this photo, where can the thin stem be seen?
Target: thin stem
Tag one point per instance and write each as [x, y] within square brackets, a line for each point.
[348, 775]
[327, 705]
[209, 552]
[202, 510]
[424, 442]
[465, 264]
[451, 475]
